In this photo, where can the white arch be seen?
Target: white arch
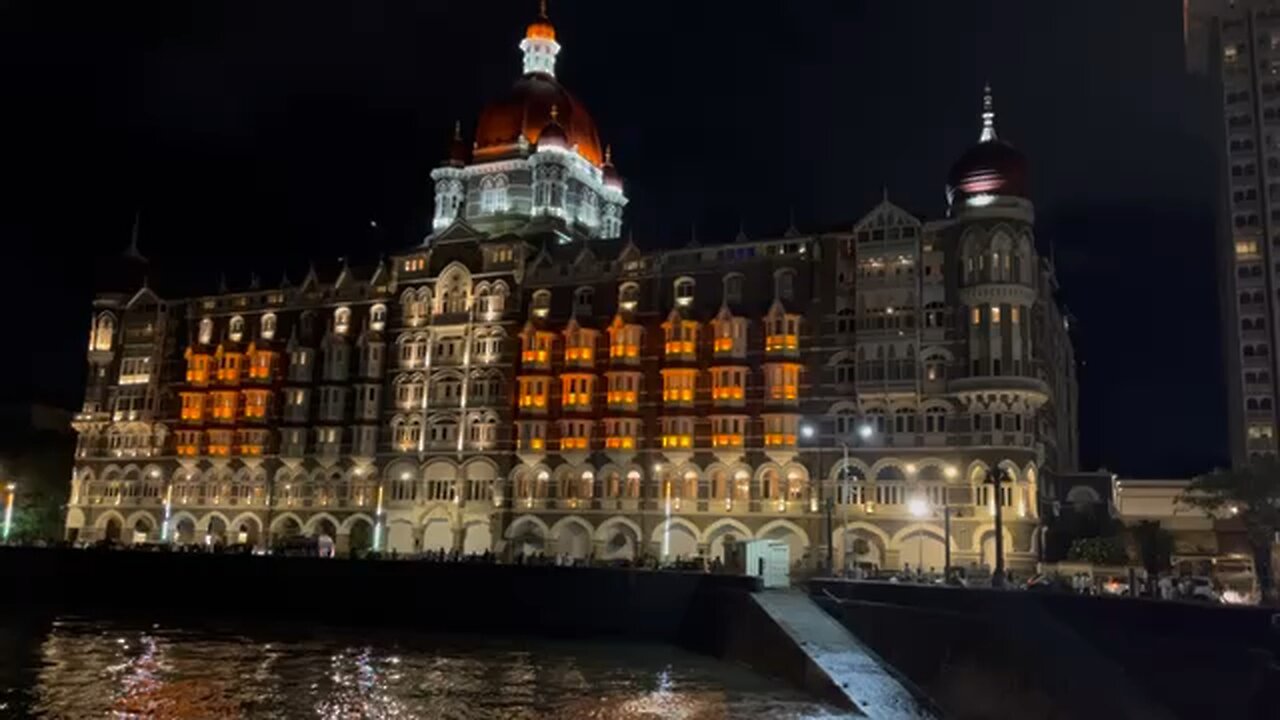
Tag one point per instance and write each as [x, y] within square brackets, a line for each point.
[203, 525]
[772, 525]
[243, 518]
[314, 520]
[724, 526]
[571, 520]
[523, 520]
[278, 520]
[920, 527]
[101, 522]
[347, 524]
[672, 522]
[75, 518]
[986, 529]
[602, 530]
[862, 525]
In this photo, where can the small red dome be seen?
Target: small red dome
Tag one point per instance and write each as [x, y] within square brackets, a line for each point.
[552, 135]
[540, 29]
[993, 167]
[526, 110]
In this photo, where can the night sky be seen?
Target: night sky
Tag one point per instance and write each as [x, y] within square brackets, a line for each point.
[256, 136]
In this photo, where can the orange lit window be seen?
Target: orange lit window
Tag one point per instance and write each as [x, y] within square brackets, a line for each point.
[782, 381]
[260, 364]
[575, 435]
[580, 347]
[531, 436]
[537, 347]
[677, 433]
[229, 367]
[678, 385]
[728, 431]
[624, 388]
[620, 434]
[576, 390]
[533, 392]
[193, 406]
[782, 333]
[728, 384]
[188, 443]
[252, 442]
[224, 406]
[256, 402]
[198, 368]
[780, 430]
[624, 341]
[220, 442]
[682, 337]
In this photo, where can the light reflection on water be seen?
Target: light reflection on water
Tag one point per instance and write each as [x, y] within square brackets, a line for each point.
[82, 669]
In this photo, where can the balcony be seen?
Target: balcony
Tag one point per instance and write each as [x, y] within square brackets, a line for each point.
[1017, 383]
[782, 345]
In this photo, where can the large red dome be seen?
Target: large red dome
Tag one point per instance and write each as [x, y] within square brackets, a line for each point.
[526, 109]
[992, 167]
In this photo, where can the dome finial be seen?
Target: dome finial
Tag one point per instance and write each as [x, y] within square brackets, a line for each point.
[457, 130]
[555, 113]
[542, 9]
[608, 154]
[988, 115]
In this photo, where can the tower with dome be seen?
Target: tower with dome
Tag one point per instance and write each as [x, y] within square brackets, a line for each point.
[529, 380]
[536, 158]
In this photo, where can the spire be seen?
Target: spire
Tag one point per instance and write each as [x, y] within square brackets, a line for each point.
[132, 252]
[539, 44]
[884, 193]
[742, 232]
[555, 113]
[693, 235]
[608, 153]
[792, 230]
[457, 130]
[988, 115]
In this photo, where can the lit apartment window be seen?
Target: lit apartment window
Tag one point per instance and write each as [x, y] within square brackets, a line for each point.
[730, 336]
[1015, 314]
[229, 367]
[224, 405]
[193, 406]
[995, 314]
[406, 434]
[256, 403]
[678, 385]
[975, 315]
[296, 402]
[728, 431]
[782, 381]
[621, 433]
[541, 303]
[628, 296]
[533, 392]
[728, 384]
[1261, 431]
[531, 436]
[260, 362]
[252, 442]
[682, 338]
[220, 442]
[780, 431]
[537, 348]
[415, 264]
[198, 368]
[1246, 248]
[684, 291]
[782, 333]
[677, 432]
[580, 347]
[624, 342]
[1230, 54]
[575, 434]
[188, 443]
[623, 389]
[235, 330]
[576, 391]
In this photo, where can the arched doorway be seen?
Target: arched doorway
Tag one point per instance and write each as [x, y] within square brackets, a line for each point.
[360, 539]
[217, 532]
[574, 541]
[111, 533]
[620, 543]
[437, 534]
[141, 530]
[287, 528]
[922, 549]
[247, 533]
[476, 539]
[858, 548]
[796, 542]
[678, 542]
[185, 531]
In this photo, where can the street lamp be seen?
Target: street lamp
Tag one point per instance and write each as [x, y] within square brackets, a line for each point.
[11, 490]
[865, 431]
[919, 508]
[808, 432]
[996, 478]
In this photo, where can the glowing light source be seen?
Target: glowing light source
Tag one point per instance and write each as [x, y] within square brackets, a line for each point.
[918, 507]
[950, 471]
[980, 200]
[10, 490]
[865, 431]
[807, 431]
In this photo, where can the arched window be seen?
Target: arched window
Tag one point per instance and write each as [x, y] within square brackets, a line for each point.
[784, 284]
[628, 296]
[268, 328]
[482, 300]
[206, 331]
[541, 302]
[733, 288]
[378, 317]
[935, 367]
[493, 194]
[875, 419]
[582, 300]
[904, 420]
[935, 420]
[498, 297]
[236, 331]
[684, 288]
[342, 320]
[103, 333]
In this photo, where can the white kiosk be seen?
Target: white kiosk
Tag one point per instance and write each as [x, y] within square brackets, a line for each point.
[769, 560]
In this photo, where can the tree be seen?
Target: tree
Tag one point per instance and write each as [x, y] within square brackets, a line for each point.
[1252, 494]
[1155, 546]
[1099, 551]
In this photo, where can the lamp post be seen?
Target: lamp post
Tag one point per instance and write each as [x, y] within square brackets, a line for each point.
[996, 479]
[808, 432]
[950, 473]
[11, 489]
[919, 508]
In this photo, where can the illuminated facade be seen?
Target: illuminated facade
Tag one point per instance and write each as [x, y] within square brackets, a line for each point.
[526, 381]
[1238, 45]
